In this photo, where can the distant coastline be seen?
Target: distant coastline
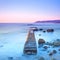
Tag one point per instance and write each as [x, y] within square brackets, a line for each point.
[50, 21]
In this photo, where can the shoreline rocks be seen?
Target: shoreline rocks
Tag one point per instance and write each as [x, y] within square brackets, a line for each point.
[50, 30]
[56, 42]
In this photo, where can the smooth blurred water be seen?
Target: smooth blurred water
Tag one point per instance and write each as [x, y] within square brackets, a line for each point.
[13, 37]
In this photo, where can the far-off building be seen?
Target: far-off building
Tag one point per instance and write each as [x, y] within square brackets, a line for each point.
[30, 46]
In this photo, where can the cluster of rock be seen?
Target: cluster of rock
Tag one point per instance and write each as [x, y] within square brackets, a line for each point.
[46, 45]
[53, 52]
[50, 30]
[56, 42]
[40, 29]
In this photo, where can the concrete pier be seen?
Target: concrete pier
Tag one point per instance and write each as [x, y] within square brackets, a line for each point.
[30, 46]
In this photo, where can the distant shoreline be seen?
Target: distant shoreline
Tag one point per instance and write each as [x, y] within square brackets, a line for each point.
[50, 21]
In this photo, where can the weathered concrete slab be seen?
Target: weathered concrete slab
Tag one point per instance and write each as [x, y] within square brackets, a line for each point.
[30, 44]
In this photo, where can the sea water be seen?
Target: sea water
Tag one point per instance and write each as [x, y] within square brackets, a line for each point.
[13, 37]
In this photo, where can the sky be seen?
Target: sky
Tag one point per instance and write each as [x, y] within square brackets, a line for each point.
[22, 11]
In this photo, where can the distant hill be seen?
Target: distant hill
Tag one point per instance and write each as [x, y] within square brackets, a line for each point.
[49, 21]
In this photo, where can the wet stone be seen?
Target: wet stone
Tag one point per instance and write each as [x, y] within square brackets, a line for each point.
[54, 51]
[41, 58]
[58, 49]
[51, 53]
[10, 58]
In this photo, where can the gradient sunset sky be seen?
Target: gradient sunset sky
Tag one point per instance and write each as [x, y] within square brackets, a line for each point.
[29, 10]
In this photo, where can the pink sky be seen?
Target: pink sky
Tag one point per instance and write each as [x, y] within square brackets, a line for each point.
[17, 17]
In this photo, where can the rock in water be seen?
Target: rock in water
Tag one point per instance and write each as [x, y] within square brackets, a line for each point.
[41, 41]
[57, 42]
[50, 30]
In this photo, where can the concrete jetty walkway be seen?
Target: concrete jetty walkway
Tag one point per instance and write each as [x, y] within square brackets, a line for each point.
[30, 46]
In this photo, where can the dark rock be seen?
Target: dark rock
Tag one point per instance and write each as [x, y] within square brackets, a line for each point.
[44, 31]
[50, 30]
[54, 51]
[41, 41]
[10, 58]
[40, 29]
[51, 53]
[45, 47]
[34, 28]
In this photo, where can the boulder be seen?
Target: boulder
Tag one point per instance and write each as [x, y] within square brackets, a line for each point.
[41, 41]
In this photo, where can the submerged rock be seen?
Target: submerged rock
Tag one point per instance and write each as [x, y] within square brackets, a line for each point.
[1, 46]
[59, 49]
[49, 43]
[51, 53]
[53, 59]
[56, 42]
[39, 34]
[54, 51]
[45, 47]
[41, 58]
[10, 58]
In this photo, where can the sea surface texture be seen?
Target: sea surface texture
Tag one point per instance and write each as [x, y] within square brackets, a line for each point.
[13, 37]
